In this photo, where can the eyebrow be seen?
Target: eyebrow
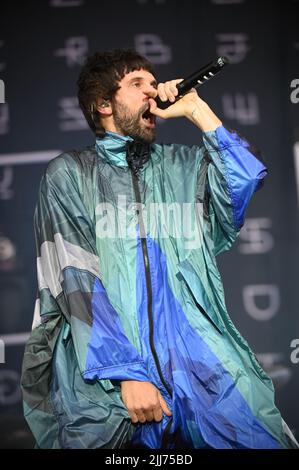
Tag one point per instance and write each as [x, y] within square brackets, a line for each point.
[153, 82]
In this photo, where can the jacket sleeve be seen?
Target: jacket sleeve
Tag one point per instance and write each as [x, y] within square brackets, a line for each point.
[69, 278]
[233, 174]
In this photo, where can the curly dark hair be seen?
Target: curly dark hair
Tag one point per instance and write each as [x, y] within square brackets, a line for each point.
[99, 78]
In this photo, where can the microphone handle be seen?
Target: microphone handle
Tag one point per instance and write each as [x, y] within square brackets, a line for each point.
[196, 79]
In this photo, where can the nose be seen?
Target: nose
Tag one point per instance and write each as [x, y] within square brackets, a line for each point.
[150, 91]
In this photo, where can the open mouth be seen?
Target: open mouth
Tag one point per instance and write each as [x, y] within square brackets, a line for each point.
[149, 118]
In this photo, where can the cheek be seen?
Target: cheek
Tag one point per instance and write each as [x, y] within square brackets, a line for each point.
[134, 97]
[131, 102]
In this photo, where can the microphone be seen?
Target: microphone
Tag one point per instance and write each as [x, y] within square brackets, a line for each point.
[196, 79]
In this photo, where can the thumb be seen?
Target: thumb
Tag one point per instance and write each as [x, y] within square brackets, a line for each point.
[164, 406]
[155, 110]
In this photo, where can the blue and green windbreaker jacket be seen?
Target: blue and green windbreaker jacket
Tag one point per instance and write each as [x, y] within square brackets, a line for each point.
[125, 296]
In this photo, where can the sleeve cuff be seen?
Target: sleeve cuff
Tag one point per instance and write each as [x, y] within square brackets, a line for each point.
[221, 138]
[132, 371]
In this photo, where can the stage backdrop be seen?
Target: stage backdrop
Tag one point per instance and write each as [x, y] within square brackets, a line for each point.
[42, 48]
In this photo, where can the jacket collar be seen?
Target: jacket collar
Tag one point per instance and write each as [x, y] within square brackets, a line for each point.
[112, 148]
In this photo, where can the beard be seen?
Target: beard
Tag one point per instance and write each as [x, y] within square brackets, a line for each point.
[132, 124]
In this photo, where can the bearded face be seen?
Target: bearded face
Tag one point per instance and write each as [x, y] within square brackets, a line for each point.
[139, 124]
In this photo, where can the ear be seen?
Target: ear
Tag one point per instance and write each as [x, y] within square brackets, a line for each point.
[104, 107]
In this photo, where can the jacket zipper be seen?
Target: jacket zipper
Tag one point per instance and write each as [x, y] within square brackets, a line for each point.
[150, 300]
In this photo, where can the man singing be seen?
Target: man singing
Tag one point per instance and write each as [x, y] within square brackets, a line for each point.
[132, 345]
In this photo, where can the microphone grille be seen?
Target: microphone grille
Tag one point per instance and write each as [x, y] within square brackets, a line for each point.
[222, 61]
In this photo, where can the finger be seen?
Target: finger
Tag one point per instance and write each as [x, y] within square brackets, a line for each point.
[168, 90]
[141, 416]
[164, 406]
[161, 92]
[149, 415]
[134, 417]
[162, 113]
[173, 87]
[155, 110]
[158, 414]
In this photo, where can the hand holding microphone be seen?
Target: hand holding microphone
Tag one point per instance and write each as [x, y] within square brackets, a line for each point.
[177, 98]
[196, 79]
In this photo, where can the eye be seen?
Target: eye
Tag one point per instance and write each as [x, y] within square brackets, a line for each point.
[137, 84]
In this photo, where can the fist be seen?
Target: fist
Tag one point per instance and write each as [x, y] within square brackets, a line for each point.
[168, 92]
[143, 401]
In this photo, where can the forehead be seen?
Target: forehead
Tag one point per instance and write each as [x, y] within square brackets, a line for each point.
[142, 74]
